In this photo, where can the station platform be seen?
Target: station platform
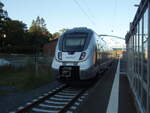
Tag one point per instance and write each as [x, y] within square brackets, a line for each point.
[112, 94]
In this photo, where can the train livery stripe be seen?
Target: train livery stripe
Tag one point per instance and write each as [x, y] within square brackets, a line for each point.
[113, 108]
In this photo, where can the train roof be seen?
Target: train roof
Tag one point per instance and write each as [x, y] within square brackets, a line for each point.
[79, 29]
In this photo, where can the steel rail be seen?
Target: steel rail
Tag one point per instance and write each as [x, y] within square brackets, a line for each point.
[45, 97]
[41, 99]
[70, 103]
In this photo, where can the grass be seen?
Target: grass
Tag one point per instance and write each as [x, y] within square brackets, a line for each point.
[25, 78]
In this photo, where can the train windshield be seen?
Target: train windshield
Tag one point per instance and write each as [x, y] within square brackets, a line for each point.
[74, 42]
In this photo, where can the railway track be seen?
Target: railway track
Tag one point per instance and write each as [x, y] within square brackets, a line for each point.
[63, 99]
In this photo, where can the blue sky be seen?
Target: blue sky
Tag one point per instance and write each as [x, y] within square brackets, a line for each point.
[103, 16]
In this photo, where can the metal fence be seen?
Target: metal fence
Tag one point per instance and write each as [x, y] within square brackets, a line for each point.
[138, 52]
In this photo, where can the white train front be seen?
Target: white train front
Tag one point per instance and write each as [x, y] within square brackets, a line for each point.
[76, 55]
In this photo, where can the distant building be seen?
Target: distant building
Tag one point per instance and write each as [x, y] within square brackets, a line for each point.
[119, 51]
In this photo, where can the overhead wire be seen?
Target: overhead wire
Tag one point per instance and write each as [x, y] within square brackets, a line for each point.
[88, 8]
[84, 12]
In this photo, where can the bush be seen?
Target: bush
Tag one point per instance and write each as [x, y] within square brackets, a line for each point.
[25, 78]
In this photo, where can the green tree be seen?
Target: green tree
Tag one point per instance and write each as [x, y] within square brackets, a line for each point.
[15, 32]
[63, 30]
[39, 35]
[55, 35]
[39, 26]
[3, 17]
[15, 35]
[3, 13]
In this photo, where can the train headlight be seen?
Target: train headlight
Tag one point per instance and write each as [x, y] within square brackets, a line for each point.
[82, 56]
[60, 55]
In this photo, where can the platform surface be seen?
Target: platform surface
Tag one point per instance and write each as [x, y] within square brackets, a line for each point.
[112, 94]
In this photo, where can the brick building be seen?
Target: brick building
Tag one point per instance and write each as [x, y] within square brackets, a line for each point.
[49, 48]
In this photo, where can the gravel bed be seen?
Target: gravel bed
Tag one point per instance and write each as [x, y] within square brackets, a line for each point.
[12, 101]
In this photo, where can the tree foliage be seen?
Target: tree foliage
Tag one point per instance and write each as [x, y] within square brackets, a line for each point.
[39, 26]
[15, 32]
[38, 32]
[15, 37]
[3, 18]
[3, 13]
[63, 30]
[55, 35]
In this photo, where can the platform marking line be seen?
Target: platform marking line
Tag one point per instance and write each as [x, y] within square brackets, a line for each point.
[114, 96]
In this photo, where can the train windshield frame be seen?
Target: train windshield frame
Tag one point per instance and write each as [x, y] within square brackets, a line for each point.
[74, 42]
